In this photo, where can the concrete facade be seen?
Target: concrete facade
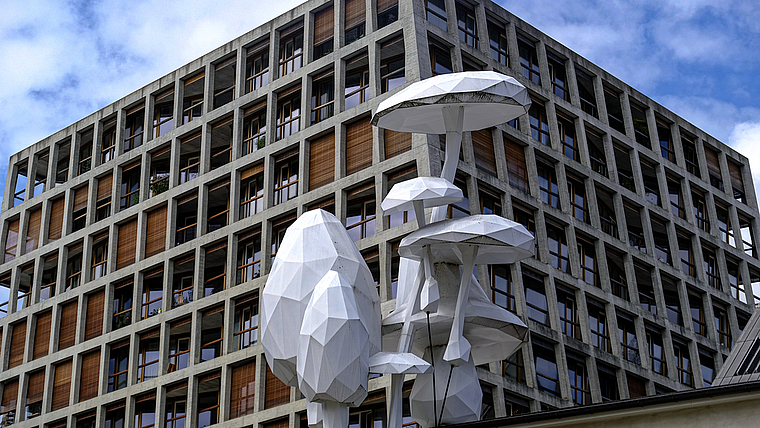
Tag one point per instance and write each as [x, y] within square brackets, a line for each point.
[626, 194]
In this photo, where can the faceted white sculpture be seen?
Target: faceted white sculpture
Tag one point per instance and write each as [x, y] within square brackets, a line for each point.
[431, 191]
[464, 398]
[316, 250]
[396, 363]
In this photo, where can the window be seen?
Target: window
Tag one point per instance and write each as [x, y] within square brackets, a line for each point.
[645, 288]
[513, 368]
[85, 147]
[748, 241]
[482, 144]
[246, 322]
[490, 202]
[577, 192]
[529, 60]
[707, 364]
[208, 399]
[656, 352]
[224, 81]
[672, 300]
[666, 141]
[354, 22]
[186, 219]
[516, 169]
[118, 366]
[700, 211]
[640, 127]
[580, 392]
[90, 376]
[436, 13]
[130, 187]
[547, 183]
[49, 277]
[163, 113]
[211, 333]
[159, 172]
[33, 224]
[252, 191]
[698, 319]
[558, 75]
[597, 319]
[107, 141]
[256, 67]
[152, 295]
[724, 225]
[558, 251]
[192, 101]
[99, 256]
[189, 158]
[147, 358]
[567, 138]
[243, 389]
[568, 314]
[291, 49]
[502, 288]
[399, 218]
[711, 268]
[277, 393]
[176, 405]
[539, 125]
[661, 242]
[62, 166]
[279, 227]
[249, 256]
[713, 168]
[40, 174]
[122, 305]
[133, 129]
[357, 81]
[735, 282]
[254, 129]
[462, 208]
[690, 154]
[586, 92]
[182, 283]
[535, 297]
[9, 402]
[322, 161]
[323, 32]
[145, 411]
[103, 203]
[115, 416]
[95, 313]
[387, 12]
[286, 178]
[497, 36]
[628, 343]
[392, 64]
[589, 267]
[218, 206]
[607, 215]
[288, 113]
[179, 345]
[466, 24]
[440, 60]
[126, 247]
[607, 383]
[215, 268]
[358, 145]
[322, 98]
[546, 368]
[61, 386]
[361, 214]
[614, 110]
[688, 265]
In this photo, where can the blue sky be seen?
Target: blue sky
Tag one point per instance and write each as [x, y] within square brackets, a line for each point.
[64, 60]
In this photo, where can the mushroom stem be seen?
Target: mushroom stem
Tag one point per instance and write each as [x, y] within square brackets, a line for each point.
[419, 212]
[458, 349]
[453, 117]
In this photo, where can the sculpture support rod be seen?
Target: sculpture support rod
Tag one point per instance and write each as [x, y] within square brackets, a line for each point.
[453, 117]
[458, 349]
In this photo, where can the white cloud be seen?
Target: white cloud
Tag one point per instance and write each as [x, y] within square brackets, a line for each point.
[745, 138]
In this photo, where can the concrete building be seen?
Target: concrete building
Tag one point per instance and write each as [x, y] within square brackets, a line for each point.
[136, 239]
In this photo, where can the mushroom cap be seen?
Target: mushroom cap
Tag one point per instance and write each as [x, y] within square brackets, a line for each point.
[432, 191]
[499, 241]
[489, 98]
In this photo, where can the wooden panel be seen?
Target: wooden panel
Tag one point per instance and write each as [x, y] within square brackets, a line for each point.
[482, 144]
[279, 423]
[358, 146]
[396, 143]
[36, 387]
[322, 161]
[10, 396]
[18, 344]
[89, 376]
[68, 325]
[80, 198]
[243, 391]
[42, 335]
[735, 172]
[61, 386]
[127, 246]
[11, 240]
[250, 172]
[155, 241]
[518, 174]
[55, 227]
[104, 186]
[288, 92]
[276, 392]
[713, 165]
[254, 108]
[93, 326]
[355, 13]
[33, 230]
[323, 25]
[383, 5]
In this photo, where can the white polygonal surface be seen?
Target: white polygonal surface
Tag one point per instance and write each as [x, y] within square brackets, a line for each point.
[499, 241]
[333, 348]
[398, 363]
[432, 191]
[464, 399]
[315, 244]
[489, 98]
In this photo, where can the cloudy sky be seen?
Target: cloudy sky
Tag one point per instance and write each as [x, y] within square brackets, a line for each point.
[62, 60]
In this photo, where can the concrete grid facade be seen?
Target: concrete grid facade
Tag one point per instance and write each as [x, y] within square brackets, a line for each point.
[644, 271]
